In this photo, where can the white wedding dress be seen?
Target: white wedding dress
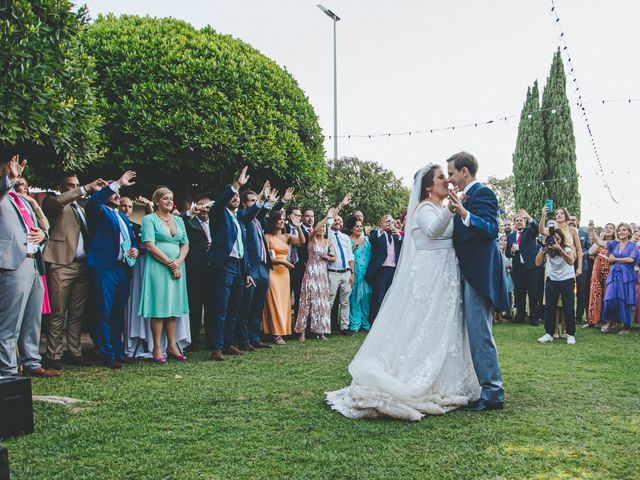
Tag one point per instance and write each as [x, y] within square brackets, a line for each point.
[416, 358]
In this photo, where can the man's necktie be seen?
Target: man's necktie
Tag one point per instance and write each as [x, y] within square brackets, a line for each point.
[344, 262]
[240, 244]
[125, 245]
[83, 227]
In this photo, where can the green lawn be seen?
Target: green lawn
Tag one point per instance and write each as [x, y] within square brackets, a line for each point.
[571, 412]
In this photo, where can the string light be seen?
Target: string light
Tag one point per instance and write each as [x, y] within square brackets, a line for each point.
[581, 104]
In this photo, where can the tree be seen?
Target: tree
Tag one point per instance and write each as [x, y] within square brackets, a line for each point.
[529, 166]
[187, 108]
[376, 191]
[560, 143]
[504, 190]
[48, 102]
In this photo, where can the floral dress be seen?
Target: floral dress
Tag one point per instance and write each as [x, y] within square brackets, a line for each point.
[315, 308]
[599, 276]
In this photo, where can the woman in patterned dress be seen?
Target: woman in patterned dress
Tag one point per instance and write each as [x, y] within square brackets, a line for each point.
[599, 276]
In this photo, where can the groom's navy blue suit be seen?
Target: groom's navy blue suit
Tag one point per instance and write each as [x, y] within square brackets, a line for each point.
[485, 284]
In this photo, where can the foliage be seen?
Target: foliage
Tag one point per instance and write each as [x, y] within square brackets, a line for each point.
[560, 143]
[263, 416]
[504, 188]
[376, 190]
[46, 76]
[529, 167]
[188, 108]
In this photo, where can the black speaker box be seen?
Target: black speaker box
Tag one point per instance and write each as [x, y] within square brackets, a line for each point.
[16, 407]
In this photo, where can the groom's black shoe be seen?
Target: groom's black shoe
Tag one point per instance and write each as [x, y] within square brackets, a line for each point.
[483, 405]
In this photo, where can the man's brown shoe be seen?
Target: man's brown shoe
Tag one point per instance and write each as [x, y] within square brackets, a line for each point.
[262, 345]
[248, 348]
[41, 372]
[54, 364]
[233, 350]
[217, 356]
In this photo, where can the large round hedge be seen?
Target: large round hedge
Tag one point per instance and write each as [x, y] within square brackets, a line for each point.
[188, 107]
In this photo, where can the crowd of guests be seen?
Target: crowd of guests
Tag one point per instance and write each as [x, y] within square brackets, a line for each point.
[247, 269]
[565, 275]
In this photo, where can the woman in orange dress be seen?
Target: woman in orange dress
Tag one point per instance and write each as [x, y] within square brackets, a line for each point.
[276, 317]
[599, 276]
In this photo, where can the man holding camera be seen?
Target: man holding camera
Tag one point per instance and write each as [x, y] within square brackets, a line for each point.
[522, 247]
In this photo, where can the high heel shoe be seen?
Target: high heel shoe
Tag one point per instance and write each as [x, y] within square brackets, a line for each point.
[159, 360]
[179, 357]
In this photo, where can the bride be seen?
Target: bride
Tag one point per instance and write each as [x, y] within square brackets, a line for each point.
[416, 358]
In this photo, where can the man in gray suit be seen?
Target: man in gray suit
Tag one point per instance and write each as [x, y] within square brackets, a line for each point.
[21, 273]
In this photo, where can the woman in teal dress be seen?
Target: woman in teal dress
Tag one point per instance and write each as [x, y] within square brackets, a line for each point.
[164, 285]
[360, 299]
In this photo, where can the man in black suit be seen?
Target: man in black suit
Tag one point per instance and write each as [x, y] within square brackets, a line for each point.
[522, 247]
[199, 276]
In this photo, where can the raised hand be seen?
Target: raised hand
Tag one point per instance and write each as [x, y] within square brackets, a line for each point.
[127, 179]
[346, 200]
[523, 213]
[14, 168]
[143, 200]
[273, 196]
[294, 222]
[96, 185]
[243, 178]
[288, 194]
[264, 193]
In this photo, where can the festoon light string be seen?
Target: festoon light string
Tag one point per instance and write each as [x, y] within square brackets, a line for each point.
[578, 92]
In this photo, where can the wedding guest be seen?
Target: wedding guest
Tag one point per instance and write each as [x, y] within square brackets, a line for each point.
[341, 271]
[68, 274]
[22, 292]
[199, 271]
[502, 243]
[308, 218]
[164, 286]
[636, 240]
[385, 252]
[315, 308]
[620, 294]
[599, 275]
[522, 248]
[111, 254]
[22, 187]
[254, 296]
[507, 226]
[581, 280]
[360, 299]
[298, 254]
[560, 283]
[230, 270]
[276, 317]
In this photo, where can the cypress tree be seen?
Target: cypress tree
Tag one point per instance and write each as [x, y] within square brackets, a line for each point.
[559, 140]
[529, 166]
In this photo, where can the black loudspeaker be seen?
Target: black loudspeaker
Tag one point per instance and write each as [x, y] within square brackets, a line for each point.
[4, 464]
[16, 407]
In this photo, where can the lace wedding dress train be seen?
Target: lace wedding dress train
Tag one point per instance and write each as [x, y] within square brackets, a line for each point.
[416, 358]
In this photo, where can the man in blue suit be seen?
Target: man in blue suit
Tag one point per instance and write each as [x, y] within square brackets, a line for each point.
[111, 254]
[230, 269]
[385, 253]
[254, 296]
[522, 247]
[484, 285]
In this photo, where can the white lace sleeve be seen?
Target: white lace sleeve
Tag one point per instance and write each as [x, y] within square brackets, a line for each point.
[432, 220]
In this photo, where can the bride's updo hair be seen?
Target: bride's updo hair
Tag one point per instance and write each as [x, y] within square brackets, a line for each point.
[427, 180]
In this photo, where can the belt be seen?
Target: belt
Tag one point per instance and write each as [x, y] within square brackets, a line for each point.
[340, 271]
[31, 255]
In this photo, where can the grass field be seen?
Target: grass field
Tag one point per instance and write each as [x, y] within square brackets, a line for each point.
[571, 412]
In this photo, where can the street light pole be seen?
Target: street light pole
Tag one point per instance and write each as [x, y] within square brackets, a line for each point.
[335, 19]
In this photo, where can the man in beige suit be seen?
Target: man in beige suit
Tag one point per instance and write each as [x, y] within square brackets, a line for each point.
[68, 276]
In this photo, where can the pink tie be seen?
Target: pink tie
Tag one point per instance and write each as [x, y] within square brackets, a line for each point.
[26, 217]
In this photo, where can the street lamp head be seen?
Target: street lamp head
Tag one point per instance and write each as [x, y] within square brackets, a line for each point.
[329, 13]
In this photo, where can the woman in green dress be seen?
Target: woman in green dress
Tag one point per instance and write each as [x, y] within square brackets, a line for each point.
[164, 285]
[360, 299]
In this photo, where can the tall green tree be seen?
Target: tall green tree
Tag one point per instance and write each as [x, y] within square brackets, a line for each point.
[529, 166]
[48, 111]
[504, 190]
[560, 143]
[188, 108]
[376, 190]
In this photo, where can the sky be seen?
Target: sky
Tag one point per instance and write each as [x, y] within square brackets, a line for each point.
[424, 64]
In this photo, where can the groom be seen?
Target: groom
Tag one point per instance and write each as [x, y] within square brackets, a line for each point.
[475, 239]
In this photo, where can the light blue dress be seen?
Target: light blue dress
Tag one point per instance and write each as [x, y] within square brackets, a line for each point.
[360, 299]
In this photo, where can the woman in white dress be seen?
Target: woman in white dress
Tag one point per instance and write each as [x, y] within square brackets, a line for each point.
[416, 358]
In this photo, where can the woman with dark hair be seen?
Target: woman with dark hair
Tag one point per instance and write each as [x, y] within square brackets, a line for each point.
[620, 295]
[599, 275]
[560, 283]
[276, 317]
[360, 298]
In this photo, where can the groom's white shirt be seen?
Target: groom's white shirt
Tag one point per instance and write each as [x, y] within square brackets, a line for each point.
[467, 220]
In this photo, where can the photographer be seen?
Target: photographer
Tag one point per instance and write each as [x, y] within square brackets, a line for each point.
[560, 283]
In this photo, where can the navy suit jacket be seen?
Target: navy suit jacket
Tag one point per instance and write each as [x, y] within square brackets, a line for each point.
[379, 250]
[528, 247]
[104, 228]
[253, 250]
[224, 232]
[477, 249]
[197, 260]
